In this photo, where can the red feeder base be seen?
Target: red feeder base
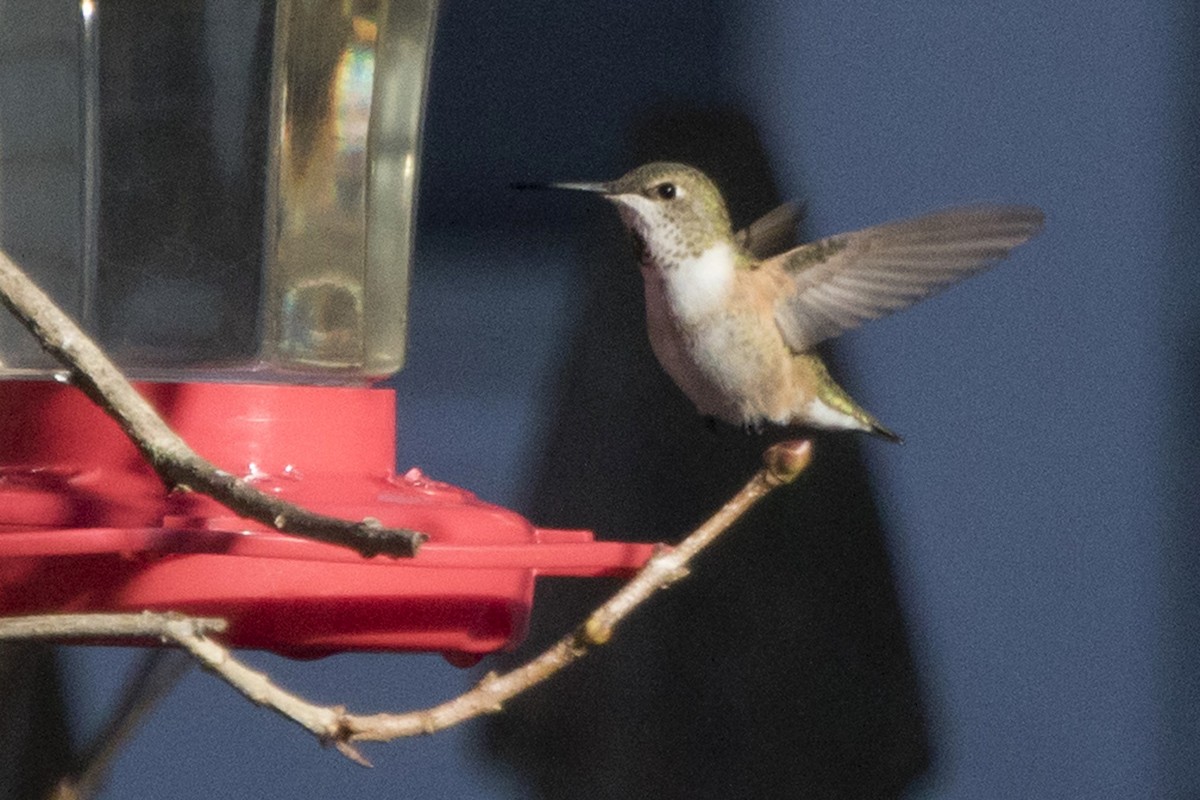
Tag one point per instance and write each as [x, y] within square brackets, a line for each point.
[85, 525]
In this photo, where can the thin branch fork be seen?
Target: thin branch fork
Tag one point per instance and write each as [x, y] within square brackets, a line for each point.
[783, 464]
[331, 724]
[176, 463]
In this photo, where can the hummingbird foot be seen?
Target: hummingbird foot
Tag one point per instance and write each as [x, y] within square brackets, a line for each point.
[753, 428]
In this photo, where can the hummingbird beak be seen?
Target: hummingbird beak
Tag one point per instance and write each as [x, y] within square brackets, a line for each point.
[594, 188]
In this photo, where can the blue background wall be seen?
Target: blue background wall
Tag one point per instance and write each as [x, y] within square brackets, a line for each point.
[1027, 514]
[1038, 517]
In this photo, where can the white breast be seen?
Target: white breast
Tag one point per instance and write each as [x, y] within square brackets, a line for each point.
[698, 286]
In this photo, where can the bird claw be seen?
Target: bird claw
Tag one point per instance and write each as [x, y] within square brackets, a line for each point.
[752, 428]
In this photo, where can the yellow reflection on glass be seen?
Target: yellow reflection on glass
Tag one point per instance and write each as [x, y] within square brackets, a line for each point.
[315, 299]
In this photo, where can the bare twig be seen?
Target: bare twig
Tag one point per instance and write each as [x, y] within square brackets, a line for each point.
[784, 462]
[175, 462]
[145, 625]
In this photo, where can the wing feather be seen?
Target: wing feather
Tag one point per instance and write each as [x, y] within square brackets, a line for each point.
[842, 281]
[771, 233]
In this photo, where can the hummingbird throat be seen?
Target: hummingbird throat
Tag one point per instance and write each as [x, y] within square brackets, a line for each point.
[640, 252]
[658, 243]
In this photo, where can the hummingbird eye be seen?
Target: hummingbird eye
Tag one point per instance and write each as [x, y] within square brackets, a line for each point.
[665, 190]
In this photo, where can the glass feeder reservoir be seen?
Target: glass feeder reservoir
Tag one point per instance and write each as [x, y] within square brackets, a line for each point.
[219, 190]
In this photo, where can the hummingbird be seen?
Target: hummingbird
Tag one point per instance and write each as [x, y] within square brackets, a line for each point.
[736, 326]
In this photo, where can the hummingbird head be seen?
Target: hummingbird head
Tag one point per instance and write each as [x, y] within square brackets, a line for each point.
[674, 211]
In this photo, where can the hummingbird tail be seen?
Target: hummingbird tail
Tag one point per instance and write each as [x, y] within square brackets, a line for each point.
[840, 411]
[884, 433]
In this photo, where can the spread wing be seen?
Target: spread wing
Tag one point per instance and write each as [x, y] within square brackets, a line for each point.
[771, 233]
[842, 281]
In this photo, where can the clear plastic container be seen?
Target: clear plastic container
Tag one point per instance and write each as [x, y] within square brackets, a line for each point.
[218, 190]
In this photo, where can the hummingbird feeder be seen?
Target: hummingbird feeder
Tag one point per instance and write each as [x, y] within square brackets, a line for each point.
[222, 193]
